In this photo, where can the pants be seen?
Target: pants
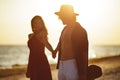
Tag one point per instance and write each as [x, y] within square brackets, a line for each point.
[68, 70]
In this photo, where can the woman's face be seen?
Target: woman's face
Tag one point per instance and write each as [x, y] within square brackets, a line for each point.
[36, 26]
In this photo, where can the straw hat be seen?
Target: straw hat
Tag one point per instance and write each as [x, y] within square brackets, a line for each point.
[66, 10]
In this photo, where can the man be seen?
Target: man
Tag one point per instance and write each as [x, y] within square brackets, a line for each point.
[72, 47]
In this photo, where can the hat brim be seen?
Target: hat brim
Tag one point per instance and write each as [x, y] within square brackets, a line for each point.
[59, 13]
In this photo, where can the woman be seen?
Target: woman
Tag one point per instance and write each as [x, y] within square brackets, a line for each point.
[38, 66]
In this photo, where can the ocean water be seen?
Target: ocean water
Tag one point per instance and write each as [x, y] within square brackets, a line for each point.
[13, 55]
[18, 55]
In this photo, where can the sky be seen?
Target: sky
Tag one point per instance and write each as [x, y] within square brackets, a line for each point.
[100, 18]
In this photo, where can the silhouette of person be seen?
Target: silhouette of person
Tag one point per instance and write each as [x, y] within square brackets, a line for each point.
[38, 66]
[72, 47]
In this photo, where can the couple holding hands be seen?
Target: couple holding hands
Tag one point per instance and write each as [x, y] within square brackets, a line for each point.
[72, 50]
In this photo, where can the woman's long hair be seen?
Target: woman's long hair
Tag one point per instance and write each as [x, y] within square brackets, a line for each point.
[43, 27]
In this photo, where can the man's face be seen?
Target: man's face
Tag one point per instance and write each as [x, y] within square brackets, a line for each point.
[64, 19]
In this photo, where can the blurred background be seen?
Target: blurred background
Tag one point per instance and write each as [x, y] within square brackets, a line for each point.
[100, 18]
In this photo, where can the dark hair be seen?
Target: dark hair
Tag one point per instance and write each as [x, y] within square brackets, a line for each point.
[43, 27]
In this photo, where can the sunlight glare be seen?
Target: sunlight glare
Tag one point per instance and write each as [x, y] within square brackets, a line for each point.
[92, 54]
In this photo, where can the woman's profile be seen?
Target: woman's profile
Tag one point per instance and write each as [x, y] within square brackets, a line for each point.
[38, 66]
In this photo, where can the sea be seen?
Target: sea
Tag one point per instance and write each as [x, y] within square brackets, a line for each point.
[11, 55]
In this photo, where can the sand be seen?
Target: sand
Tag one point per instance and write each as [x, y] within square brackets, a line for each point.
[110, 67]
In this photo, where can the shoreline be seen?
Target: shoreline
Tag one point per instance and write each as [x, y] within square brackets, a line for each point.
[110, 67]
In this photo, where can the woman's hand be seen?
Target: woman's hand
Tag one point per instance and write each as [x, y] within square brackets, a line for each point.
[54, 54]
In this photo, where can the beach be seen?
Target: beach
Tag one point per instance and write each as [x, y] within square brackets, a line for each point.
[110, 67]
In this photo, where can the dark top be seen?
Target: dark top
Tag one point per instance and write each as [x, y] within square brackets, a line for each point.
[38, 66]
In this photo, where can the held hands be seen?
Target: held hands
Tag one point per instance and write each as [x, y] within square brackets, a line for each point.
[54, 53]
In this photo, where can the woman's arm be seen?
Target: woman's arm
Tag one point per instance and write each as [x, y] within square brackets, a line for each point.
[56, 50]
[42, 37]
[48, 45]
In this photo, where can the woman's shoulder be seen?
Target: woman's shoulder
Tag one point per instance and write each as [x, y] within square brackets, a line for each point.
[30, 35]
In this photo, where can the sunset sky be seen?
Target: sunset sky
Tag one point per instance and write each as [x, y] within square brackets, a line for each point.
[101, 19]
